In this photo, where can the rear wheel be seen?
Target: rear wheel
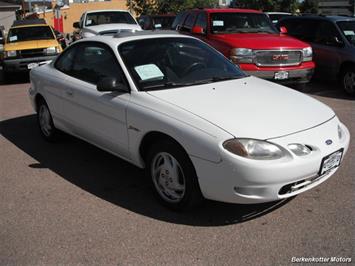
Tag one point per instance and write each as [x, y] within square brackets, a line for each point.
[173, 176]
[348, 80]
[45, 122]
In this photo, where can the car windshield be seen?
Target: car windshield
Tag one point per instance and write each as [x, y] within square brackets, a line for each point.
[163, 22]
[163, 63]
[109, 17]
[348, 29]
[30, 34]
[241, 23]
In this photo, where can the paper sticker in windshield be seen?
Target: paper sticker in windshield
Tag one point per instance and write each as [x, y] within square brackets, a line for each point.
[13, 38]
[149, 72]
[218, 23]
[88, 22]
[349, 32]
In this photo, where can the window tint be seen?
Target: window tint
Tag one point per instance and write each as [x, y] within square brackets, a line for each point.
[302, 29]
[202, 20]
[89, 62]
[326, 34]
[30, 33]
[190, 20]
[179, 20]
[65, 61]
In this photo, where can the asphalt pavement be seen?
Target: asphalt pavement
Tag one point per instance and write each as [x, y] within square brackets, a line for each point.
[70, 203]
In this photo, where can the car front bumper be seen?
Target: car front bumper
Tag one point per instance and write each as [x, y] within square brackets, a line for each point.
[296, 74]
[240, 180]
[21, 65]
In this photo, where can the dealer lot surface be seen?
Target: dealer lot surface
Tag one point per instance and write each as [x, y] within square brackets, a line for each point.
[71, 203]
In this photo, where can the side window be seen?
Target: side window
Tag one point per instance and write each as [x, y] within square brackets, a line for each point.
[94, 62]
[327, 34]
[65, 61]
[302, 29]
[179, 20]
[190, 20]
[202, 21]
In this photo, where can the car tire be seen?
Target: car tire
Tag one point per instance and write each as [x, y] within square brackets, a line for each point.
[348, 80]
[172, 176]
[45, 122]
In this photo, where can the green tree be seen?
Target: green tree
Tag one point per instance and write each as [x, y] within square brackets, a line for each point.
[309, 6]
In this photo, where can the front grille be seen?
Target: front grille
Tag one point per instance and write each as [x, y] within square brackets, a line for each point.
[278, 58]
[31, 53]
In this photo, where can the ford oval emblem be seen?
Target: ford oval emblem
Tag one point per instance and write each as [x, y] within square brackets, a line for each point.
[328, 141]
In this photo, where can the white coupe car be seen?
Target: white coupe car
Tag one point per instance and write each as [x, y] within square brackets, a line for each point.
[199, 126]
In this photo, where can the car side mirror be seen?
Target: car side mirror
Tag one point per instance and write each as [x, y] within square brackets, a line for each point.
[335, 41]
[111, 84]
[76, 25]
[283, 29]
[198, 30]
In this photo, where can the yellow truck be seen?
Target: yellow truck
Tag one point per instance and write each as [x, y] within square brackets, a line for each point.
[29, 43]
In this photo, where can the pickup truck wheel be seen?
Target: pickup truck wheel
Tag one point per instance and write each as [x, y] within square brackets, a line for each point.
[173, 177]
[45, 122]
[348, 80]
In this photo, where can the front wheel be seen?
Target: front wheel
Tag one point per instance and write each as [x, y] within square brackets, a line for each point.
[173, 176]
[348, 80]
[45, 122]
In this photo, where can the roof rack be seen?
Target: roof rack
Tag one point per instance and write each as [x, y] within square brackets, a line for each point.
[28, 22]
[129, 33]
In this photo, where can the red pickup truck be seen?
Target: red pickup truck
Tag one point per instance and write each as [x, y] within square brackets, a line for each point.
[249, 39]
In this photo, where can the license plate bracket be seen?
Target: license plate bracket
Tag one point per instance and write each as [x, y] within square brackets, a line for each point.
[331, 161]
[280, 75]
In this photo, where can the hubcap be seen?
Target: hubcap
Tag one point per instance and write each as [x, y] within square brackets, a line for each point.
[349, 82]
[168, 177]
[45, 120]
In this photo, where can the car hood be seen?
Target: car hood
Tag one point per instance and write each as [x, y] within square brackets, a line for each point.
[259, 41]
[109, 27]
[30, 45]
[249, 107]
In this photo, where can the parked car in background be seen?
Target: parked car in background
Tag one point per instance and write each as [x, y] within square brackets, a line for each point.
[200, 127]
[2, 42]
[248, 38]
[333, 43]
[276, 16]
[103, 22]
[29, 43]
[152, 22]
[60, 38]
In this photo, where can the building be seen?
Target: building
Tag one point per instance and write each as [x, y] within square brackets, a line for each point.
[7, 14]
[62, 15]
[336, 7]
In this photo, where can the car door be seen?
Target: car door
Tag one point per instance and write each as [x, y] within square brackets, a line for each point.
[327, 50]
[98, 117]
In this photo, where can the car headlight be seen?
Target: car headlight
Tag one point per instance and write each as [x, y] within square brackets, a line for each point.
[299, 149]
[307, 54]
[10, 53]
[254, 149]
[51, 50]
[242, 55]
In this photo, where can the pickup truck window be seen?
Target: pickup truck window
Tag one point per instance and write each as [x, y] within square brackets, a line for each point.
[225, 23]
[30, 34]
[348, 30]
[108, 17]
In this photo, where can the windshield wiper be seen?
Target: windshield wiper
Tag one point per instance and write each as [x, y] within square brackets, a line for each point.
[165, 85]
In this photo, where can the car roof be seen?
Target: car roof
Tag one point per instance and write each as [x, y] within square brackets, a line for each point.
[230, 10]
[106, 10]
[28, 22]
[318, 17]
[125, 36]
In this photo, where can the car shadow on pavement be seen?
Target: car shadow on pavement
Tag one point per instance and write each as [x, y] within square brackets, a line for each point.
[329, 89]
[115, 180]
[14, 78]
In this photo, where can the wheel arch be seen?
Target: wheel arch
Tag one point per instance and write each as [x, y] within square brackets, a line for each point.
[152, 137]
[38, 98]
